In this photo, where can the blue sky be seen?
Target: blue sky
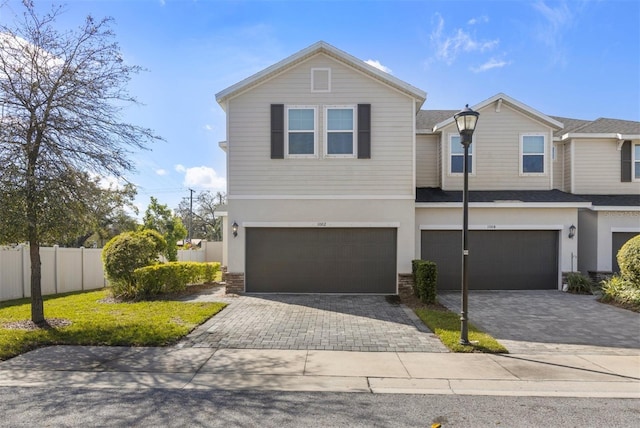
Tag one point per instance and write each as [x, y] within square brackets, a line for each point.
[578, 59]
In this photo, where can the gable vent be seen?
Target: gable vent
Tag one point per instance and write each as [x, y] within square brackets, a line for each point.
[320, 80]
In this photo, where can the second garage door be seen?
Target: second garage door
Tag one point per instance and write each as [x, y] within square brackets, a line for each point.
[321, 260]
[498, 259]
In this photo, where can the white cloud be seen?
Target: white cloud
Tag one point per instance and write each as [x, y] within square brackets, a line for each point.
[449, 46]
[491, 64]
[550, 31]
[161, 171]
[375, 63]
[479, 20]
[202, 177]
[180, 168]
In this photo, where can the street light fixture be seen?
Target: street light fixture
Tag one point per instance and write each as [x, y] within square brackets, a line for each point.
[466, 121]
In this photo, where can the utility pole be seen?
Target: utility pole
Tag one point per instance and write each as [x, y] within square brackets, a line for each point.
[190, 214]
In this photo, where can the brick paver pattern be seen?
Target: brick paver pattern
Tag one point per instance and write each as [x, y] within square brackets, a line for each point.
[315, 322]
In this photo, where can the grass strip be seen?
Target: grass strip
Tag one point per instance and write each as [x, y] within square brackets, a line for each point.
[95, 322]
[446, 325]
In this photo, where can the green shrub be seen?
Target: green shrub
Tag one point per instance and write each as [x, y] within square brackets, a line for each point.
[621, 291]
[629, 261]
[579, 283]
[425, 277]
[127, 252]
[171, 277]
[414, 269]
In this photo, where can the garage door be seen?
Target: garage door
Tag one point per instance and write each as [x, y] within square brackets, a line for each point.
[498, 259]
[618, 240]
[321, 260]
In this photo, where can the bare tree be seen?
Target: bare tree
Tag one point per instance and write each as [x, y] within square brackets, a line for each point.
[204, 221]
[62, 94]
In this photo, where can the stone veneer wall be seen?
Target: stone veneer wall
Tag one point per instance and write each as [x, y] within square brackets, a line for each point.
[235, 283]
[405, 282]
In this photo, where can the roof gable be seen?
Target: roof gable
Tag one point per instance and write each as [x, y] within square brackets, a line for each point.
[315, 49]
[513, 103]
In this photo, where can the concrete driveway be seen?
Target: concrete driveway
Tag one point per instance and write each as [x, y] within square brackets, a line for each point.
[549, 321]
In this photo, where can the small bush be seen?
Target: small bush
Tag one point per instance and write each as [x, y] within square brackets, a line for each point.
[579, 283]
[629, 261]
[127, 252]
[414, 269]
[425, 277]
[171, 277]
[621, 291]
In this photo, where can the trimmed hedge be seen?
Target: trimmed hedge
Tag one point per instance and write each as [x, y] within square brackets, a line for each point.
[171, 277]
[425, 275]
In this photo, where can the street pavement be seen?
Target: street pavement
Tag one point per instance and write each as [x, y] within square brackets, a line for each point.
[332, 343]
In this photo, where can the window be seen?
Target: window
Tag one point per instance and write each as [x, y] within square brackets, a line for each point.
[456, 150]
[636, 161]
[532, 149]
[340, 131]
[301, 131]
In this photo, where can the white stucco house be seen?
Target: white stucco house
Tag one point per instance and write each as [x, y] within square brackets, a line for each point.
[337, 179]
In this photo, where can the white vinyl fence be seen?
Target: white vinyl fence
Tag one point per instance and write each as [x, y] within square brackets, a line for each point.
[70, 269]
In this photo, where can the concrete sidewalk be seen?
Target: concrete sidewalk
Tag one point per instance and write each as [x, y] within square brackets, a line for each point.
[552, 375]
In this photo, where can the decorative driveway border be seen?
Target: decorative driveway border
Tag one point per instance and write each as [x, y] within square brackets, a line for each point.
[314, 322]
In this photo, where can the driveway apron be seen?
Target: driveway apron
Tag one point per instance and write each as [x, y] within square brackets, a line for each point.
[549, 321]
[314, 322]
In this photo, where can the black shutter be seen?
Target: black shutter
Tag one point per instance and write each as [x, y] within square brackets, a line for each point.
[364, 131]
[625, 162]
[277, 131]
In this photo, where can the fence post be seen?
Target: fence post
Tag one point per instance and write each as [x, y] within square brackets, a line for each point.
[82, 268]
[55, 268]
[24, 266]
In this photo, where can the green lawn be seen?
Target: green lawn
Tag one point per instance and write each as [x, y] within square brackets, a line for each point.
[446, 325]
[155, 323]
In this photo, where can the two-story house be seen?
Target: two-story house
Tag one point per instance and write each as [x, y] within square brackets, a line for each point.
[337, 180]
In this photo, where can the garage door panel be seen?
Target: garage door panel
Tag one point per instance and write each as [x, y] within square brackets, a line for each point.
[618, 240]
[498, 259]
[321, 260]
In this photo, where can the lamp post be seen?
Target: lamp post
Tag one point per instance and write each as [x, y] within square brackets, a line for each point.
[466, 122]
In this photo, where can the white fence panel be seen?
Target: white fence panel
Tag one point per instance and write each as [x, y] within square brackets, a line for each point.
[191, 255]
[92, 269]
[69, 269]
[49, 277]
[11, 278]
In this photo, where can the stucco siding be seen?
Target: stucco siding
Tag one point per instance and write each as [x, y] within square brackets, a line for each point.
[609, 222]
[427, 160]
[399, 214]
[597, 168]
[587, 235]
[497, 152]
[388, 172]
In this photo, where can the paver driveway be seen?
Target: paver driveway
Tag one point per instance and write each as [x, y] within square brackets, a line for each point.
[328, 322]
[549, 321]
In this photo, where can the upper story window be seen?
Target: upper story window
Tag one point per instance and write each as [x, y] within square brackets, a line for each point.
[301, 131]
[340, 131]
[532, 153]
[456, 151]
[636, 161]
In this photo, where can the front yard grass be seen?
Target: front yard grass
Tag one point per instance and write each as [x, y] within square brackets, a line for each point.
[446, 325]
[96, 321]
